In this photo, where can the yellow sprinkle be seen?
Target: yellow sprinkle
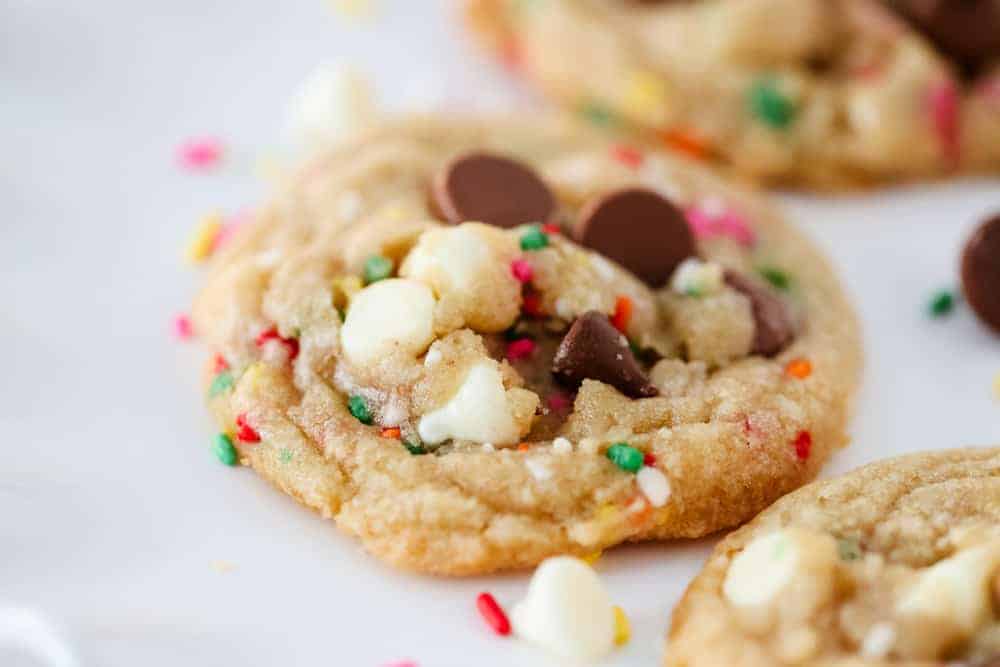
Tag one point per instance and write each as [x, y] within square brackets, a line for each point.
[607, 512]
[592, 558]
[344, 289]
[252, 375]
[199, 247]
[623, 631]
[645, 98]
[996, 386]
[354, 9]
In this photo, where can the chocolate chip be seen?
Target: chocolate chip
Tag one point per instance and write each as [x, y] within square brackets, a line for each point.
[967, 31]
[593, 349]
[981, 272]
[774, 328]
[483, 187]
[640, 230]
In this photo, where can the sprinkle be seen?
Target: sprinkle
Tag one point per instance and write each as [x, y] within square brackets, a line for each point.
[879, 641]
[219, 364]
[183, 329]
[415, 450]
[392, 432]
[290, 344]
[401, 663]
[848, 549]
[623, 631]
[493, 614]
[534, 239]
[625, 456]
[523, 447]
[707, 221]
[654, 485]
[770, 105]
[598, 114]
[648, 460]
[629, 156]
[221, 383]
[646, 96]
[532, 304]
[201, 153]
[551, 228]
[803, 445]
[941, 304]
[686, 142]
[202, 241]
[799, 368]
[245, 432]
[377, 268]
[592, 558]
[944, 109]
[557, 401]
[562, 445]
[359, 409]
[775, 276]
[521, 348]
[224, 450]
[521, 270]
[622, 314]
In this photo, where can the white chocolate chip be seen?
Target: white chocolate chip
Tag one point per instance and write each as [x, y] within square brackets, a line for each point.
[479, 411]
[562, 446]
[694, 277]
[566, 611]
[390, 316]
[654, 485]
[332, 103]
[879, 641]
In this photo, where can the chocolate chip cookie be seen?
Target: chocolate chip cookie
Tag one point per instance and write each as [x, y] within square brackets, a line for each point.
[475, 344]
[828, 94]
[895, 563]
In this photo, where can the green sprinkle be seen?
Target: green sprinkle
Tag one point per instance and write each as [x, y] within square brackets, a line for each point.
[776, 277]
[377, 268]
[625, 456]
[848, 548]
[416, 450]
[285, 456]
[534, 239]
[598, 114]
[770, 105]
[941, 304]
[359, 408]
[221, 383]
[342, 314]
[224, 450]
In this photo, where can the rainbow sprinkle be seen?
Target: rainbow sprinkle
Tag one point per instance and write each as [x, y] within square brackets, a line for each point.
[200, 154]
[943, 102]
[623, 630]
[203, 239]
[522, 271]
[625, 456]
[712, 218]
[522, 348]
[183, 329]
[224, 450]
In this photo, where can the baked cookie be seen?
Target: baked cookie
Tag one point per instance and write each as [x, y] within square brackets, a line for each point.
[410, 341]
[895, 563]
[827, 94]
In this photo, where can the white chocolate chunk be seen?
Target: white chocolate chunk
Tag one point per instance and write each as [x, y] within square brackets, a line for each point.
[479, 411]
[566, 611]
[332, 103]
[654, 485]
[955, 592]
[696, 278]
[389, 317]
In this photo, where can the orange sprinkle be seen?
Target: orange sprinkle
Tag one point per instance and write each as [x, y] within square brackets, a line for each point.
[799, 368]
[623, 313]
[391, 432]
[686, 142]
[523, 447]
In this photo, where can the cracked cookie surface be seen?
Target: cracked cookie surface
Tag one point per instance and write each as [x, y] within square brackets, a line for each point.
[473, 397]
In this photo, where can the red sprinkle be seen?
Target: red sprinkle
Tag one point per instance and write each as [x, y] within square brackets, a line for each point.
[522, 270]
[520, 349]
[291, 344]
[558, 402]
[627, 155]
[183, 328]
[245, 432]
[944, 108]
[533, 304]
[803, 445]
[493, 614]
[623, 313]
[648, 460]
[219, 364]
[551, 228]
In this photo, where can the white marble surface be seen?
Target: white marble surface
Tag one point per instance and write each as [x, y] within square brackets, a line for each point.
[112, 510]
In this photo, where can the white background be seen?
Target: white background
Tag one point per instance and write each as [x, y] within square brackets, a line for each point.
[112, 509]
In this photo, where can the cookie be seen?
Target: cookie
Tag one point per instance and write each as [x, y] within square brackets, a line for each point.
[897, 562]
[475, 395]
[825, 94]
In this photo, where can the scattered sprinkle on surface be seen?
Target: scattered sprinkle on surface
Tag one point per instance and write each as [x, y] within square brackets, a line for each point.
[200, 153]
[623, 629]
[183, 329]
[942, 303]
[203, 239]
[493, 614]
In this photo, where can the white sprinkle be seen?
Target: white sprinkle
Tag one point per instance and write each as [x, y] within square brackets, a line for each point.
[488, 447]
[654, 485]
[562, 446]
[879, 641]
[539, 470]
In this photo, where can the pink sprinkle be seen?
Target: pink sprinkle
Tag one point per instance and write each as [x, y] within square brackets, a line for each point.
[200, 153]
[183, 329]
[707, 224]
[401, 663]
[520, 349]
[627, 155]
[944, 110]
[557, 402]
[522, 270]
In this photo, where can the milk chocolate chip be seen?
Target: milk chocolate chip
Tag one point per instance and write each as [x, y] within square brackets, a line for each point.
[640, 230]
[981, 272]
[483, 187]
[967, 31]
[774, 328]
[593, 349]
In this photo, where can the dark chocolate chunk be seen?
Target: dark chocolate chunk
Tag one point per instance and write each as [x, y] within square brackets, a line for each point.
[967, 31]
[774, 328]
[483, 187]
[981, 272]
[639, 229]
[593, 349]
